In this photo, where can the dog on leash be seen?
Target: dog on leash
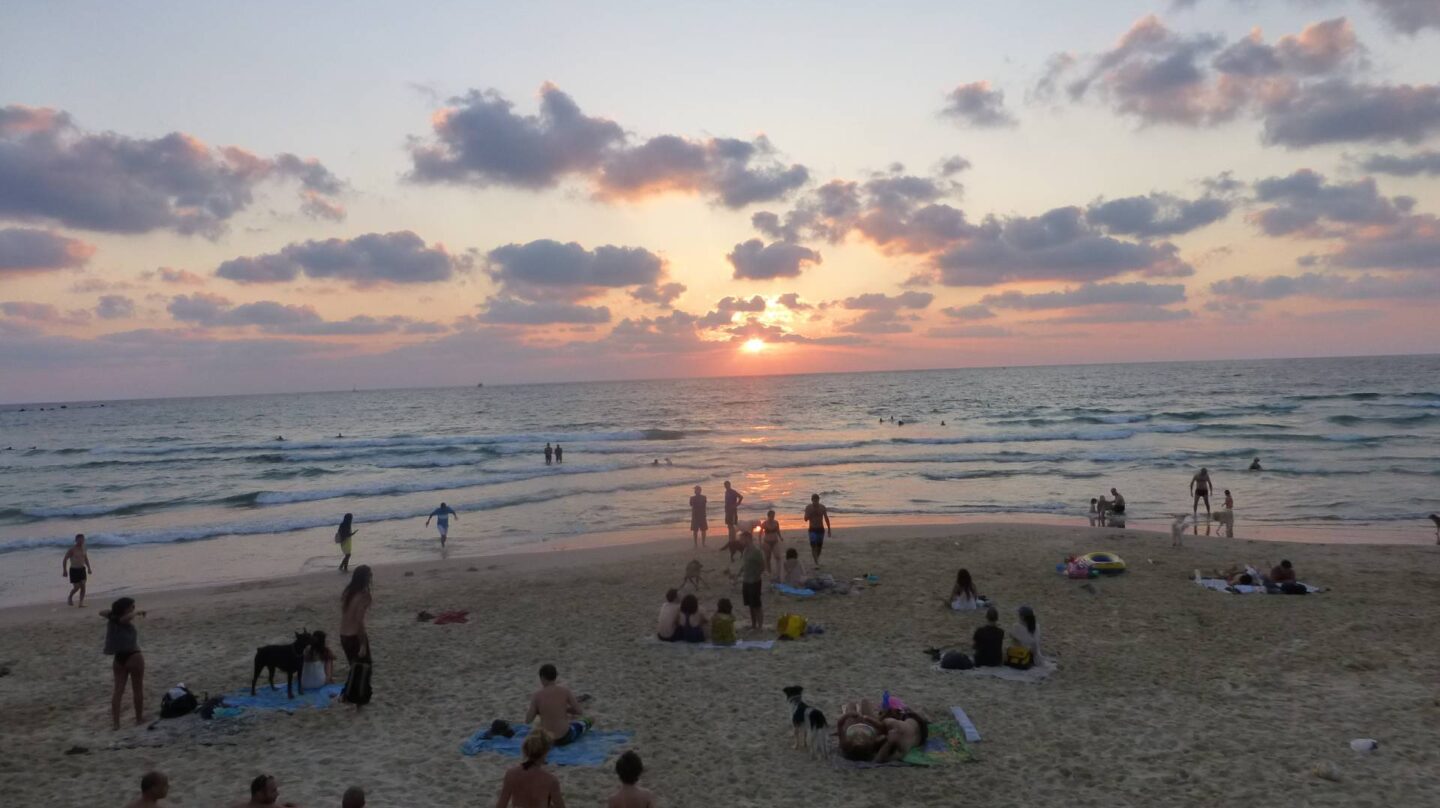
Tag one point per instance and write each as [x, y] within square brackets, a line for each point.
[288, 658]
[809, 724]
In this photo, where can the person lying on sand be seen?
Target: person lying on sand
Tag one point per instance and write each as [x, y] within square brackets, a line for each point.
[629, 795]
[556, 708]
[528, 785]
[859, 736]
[897, 730]
[153, 788]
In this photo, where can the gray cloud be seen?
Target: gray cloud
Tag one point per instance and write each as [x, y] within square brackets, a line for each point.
[374, 258]
[40, 313]
[179, 277]
[25, 250]
[1300, 202]
[1340, 111]
[1156, 215]
[512, 311]
[1057, 245]
[1328, 286]
[876, 301]
[1135, 313]
[480, 140]
[976, 104]
[1404, 165]
[968, 332]
[663, 294]
[791, 301]
[549, 268]
[1409, 16]
[726, 307]
[877, 322]
[756, 260]
[1411, 243]
[884, 314]
[1090, 294]
[50, 170]
[115, 307]
[214, 311]
[898, 212]
[977, 311]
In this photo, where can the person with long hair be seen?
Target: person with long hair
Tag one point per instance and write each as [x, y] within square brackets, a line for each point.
[122, 643]
[963, 596]
[1026, 634]
[344, 537]
[691, 627]
[354, 606]
[319, 669]
[529, 785]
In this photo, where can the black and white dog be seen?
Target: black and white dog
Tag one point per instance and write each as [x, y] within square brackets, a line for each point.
[288, 658]
[809, 724]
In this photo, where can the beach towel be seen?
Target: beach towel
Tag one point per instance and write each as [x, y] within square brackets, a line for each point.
[945, 746]
[740, 645]
[1221, 585]
[267, 699]
[972, 735]
[458, 616]
[593, 748]
[794, 591]
[1033, 675]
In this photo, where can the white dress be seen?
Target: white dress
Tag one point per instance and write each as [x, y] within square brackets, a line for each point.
[312, 676]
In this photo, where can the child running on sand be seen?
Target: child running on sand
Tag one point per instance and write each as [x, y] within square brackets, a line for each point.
[629, 795]
[559, 713]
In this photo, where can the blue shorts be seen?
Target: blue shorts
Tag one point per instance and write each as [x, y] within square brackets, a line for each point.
[817, 537]
[577, 728]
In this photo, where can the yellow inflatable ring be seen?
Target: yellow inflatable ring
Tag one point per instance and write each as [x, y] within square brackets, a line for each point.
[1105, 563]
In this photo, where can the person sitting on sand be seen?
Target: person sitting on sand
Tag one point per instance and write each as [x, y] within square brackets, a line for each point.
[770, 529]
[669, 617]
[528, 785]
[354, 798]
[153, 788]
[691, 626]
[963, 597]
[629, 795]
[1117, 505]
[722, 625]
[793, 571]
[559, 713]
[122, 644]
[319, 669]
[989, 641]
[264, 790]
[1283, 573]
[1026, 633]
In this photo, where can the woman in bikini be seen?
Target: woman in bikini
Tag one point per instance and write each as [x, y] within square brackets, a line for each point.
[122, 641]
[1200, 487]
[770, 542]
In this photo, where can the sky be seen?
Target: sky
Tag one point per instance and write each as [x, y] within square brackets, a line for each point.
[207, 199]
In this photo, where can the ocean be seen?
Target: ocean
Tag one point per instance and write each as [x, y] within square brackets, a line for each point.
[1348, 445]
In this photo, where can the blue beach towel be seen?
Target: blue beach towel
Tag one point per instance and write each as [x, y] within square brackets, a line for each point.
[267, 699]
[593, 748]
[794, 591]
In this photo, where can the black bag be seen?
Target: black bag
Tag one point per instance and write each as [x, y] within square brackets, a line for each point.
[357, 684]
[1293, 588]
[956, 661]
[176, 706]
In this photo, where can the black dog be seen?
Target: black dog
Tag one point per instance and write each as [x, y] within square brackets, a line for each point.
[288, 658]
[809, 724]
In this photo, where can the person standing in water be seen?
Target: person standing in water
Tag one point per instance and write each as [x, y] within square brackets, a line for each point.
[442, 515]
[733, 499]
[76, 564]
[549, 454]
[699, 524]
[122, 644]
[818, 519]
[1117, 505]
[559, 454]
[1200, 487]
[344, 537]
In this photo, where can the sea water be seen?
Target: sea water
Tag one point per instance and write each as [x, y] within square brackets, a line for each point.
[1348, 447]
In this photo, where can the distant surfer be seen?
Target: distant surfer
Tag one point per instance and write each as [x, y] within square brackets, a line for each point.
[280, 437]
[338, 435]
[1200, 487]
[76, 564]
[442, 515]
[1255, 465]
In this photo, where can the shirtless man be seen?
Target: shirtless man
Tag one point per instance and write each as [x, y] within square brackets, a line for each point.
[529, 785]
[629, 794]
[559, 712]
[733, 499]
[904, 731]
[1117, 505]
[153, 788]
[264, 791]
[698, 523]
[78, 563]
[1200, 486]
[818, 520]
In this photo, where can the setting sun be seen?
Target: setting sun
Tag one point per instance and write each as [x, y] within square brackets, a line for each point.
[753, 345]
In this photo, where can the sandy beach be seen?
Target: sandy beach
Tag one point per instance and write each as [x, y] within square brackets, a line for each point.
[1166, 693]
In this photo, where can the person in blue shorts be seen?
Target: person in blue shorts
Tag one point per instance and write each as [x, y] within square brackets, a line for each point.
[818, 520]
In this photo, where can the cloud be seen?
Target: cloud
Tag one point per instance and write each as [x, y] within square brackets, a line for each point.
[1057, 245]
[727, 307]
[374, 258]
[549, 268]
[1298, 203]
[51, 170]
[877, 322]
[179, 277]
[512, 311]
[1136, 313]
[1341, 111]
[115, 307]
[480, 140]
[977, 105]
[977, 311]
[25, 250]
[756, 260]
[876, 301]
[884, 314]
[271, 317]
[1328, 286]
[968, 332]
[791, 301]
[1156, 215]
[1090, 294]
[45, 313]
[663, 294]
[899, 213]
[1411, 243]
[1407, 165]
[1409, 16]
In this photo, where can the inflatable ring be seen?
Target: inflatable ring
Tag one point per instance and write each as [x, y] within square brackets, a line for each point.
[1105, 563]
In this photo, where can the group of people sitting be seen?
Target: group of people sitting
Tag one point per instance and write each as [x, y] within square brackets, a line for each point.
[264, 790]
[682, 620]
[988, 642]
[1281, 577]
[1102, 509]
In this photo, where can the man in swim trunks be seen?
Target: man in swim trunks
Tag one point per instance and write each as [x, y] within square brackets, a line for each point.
[442, 515]
[1200, 486]
[78, 563]
[733, 499]
[752, 567]
[818, 520]
[559, 712]
[1117, 505]
[698, 523]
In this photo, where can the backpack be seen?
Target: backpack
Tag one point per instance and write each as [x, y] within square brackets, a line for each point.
[956, 661]
[178, 701]
[1293, 588]
[357, 684]
[1018, 657]
[791, 626]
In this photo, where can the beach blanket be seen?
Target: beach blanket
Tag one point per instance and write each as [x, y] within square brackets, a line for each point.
[593, 748]
[267, 699]
[794, 591]
[740, 645]
[457, 616]
[972, 735]
[1221, 585]
[1034, 675]
[945, 746]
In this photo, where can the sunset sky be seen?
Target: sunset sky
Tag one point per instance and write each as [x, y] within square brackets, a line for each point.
[199, 199]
